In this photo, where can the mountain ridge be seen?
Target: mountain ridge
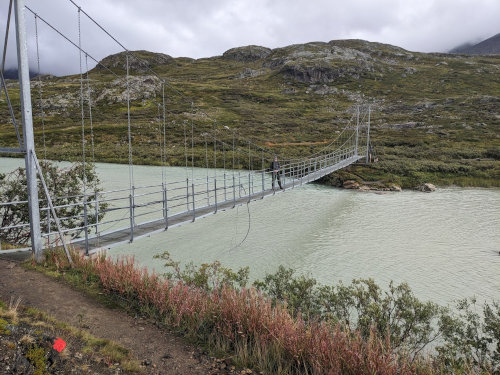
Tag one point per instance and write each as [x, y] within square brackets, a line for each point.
[435, 117]
[490, 46]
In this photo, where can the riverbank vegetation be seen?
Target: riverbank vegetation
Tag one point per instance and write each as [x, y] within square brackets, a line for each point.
[288, 324]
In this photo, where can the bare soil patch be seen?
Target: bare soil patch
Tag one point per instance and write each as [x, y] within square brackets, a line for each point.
[158, 350]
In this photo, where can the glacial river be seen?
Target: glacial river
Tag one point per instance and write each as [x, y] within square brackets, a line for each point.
[444, 244]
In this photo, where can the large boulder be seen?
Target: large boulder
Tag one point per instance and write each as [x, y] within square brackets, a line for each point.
[351, 184]
[426, 188]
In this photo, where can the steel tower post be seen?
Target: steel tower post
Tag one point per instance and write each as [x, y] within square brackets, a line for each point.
[27, 120]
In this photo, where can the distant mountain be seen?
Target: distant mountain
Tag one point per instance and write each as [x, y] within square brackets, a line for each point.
[12, 74]
[490, 46]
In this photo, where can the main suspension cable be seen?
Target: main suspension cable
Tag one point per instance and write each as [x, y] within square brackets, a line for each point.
[42, 112]
[89, 99]
[130, 165]
[81, 105]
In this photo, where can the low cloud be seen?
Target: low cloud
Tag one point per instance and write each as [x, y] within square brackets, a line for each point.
[200, 28]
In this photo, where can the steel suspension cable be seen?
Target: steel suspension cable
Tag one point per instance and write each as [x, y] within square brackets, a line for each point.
[2, 79]
[148, 68]
[11, 111]
[215, 149]
[160, 142]
[163, 81]
[42, 112]
[70, 41]
[130, 165]
[6, 37]
[164, 134]
[89, 99]
[206, 155]
[116, 40]
[185, 148]
[327, 146]
[238, 160]
[192, 144]
[82, 108]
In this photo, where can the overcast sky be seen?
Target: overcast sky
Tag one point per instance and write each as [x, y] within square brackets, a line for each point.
[203, 28]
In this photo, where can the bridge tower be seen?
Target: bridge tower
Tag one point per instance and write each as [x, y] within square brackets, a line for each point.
[27, 144]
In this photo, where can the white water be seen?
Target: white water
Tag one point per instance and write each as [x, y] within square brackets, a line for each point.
[444, 244]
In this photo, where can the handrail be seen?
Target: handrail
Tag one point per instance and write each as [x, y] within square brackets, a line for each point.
[202, 193]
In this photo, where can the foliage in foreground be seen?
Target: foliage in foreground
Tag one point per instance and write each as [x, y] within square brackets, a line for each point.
[66, 183]
[381, 335]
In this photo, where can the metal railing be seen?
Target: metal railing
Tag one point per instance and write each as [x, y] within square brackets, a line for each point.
[126, 210]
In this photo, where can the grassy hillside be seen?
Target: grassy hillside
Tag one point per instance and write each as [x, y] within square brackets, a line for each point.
[435, 117]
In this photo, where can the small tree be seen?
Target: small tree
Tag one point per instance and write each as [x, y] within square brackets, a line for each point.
[472, 338]
[66, 189]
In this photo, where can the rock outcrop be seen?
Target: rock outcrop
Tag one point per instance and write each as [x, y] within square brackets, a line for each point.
[319, 62]
[139, 61]
[247, 54]
[140, 87]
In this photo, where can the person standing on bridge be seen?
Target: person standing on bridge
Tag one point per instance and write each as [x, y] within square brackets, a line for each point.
[275, 169]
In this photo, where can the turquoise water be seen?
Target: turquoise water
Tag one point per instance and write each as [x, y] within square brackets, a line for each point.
[444, 244]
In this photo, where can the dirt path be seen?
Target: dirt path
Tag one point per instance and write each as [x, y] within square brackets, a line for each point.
[161, 351]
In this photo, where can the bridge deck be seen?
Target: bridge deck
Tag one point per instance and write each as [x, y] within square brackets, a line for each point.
[125, 235]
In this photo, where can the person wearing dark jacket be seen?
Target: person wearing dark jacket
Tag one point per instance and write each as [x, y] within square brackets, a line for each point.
[275, 169]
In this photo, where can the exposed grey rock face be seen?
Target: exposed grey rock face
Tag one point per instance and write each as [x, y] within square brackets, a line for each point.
[247, 54]
[250, 73]
[322, 90]
[319, 62]
[146, 61]
[140, 87]
[320, 72]
[289, 90]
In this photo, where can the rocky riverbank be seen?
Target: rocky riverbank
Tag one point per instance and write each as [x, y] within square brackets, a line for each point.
[348, 179]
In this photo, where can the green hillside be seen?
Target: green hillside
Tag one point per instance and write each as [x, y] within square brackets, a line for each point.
[435, 117]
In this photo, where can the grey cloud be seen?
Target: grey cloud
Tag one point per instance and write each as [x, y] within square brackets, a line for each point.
[201, 28]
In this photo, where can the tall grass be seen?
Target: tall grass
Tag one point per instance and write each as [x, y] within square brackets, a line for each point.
[245, 323]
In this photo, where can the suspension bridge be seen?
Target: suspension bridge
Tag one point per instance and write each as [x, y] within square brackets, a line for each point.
[107, 218]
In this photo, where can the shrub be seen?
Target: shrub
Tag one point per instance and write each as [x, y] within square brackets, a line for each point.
[67, 182]
[352, 329]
